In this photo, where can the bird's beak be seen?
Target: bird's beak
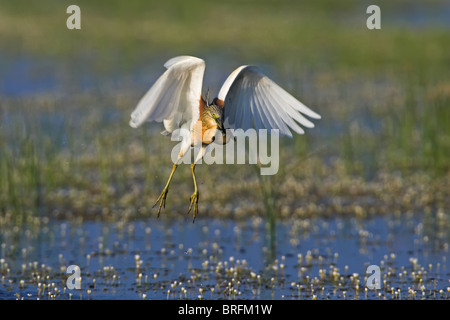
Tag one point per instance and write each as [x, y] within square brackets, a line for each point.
[220, 127]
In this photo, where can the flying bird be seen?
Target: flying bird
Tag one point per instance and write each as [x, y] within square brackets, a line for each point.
[247, 99]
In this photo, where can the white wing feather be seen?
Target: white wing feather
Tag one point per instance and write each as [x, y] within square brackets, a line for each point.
[175, 96]
[252, 100]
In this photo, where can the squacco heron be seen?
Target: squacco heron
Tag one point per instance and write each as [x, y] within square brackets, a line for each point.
[247, 99]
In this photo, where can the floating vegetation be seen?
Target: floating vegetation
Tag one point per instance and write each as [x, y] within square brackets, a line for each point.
[215, 259]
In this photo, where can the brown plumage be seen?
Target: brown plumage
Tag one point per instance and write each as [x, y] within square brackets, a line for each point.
[209, 122]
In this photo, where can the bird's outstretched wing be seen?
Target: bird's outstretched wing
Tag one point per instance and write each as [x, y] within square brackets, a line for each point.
[175, 96]
[252, 100]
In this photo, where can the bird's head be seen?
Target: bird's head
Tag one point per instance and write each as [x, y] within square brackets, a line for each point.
[214, 117]
[216, 114]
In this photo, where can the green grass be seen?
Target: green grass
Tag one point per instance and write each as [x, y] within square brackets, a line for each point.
[411, 134]
[326, 34]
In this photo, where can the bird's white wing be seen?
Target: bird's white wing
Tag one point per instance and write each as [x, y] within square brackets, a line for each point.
[175, 96]
[252, 100]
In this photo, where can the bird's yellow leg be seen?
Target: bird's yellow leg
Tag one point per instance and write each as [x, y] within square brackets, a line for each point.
[195, 195]
[163, 195]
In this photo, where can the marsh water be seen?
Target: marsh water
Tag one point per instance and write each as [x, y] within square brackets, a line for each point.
[220, 259]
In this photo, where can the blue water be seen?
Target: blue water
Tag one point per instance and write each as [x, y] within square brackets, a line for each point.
[177, 250]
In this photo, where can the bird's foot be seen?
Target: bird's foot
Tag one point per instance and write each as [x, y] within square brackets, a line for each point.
[194, 202]
[162, 200]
